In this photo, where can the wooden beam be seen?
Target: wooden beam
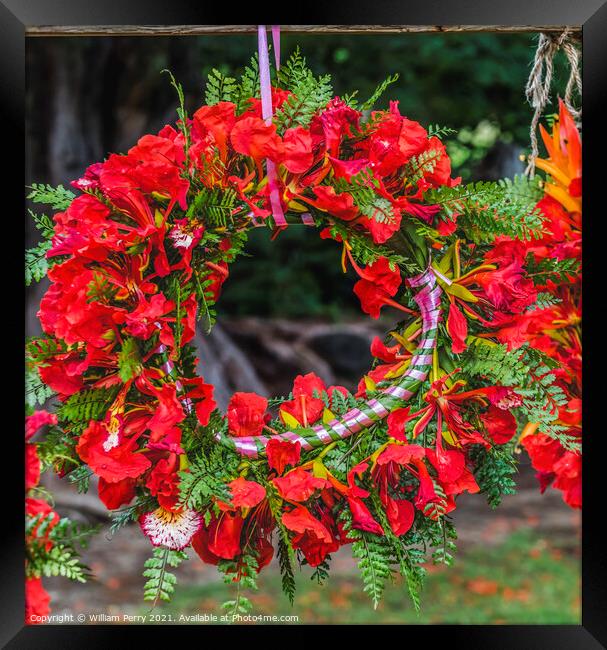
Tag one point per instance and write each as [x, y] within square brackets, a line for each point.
[200, 30]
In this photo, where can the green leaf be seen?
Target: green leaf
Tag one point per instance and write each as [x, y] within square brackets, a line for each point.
[129, 360]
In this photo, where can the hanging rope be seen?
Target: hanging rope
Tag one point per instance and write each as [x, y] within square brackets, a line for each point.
[540, 80]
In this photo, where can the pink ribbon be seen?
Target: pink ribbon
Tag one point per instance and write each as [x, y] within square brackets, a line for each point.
[266, 112]
[276, 44]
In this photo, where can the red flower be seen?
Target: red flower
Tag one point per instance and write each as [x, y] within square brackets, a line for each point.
[384, 222]
[400, 514]
[251, 136]
[377, 286]
[37, 601]
[114, 495]
[396, 423]
[118, 463]
[163, 481]
[157, 163]
[218, 275]
[543, 451]
[555, 465]
[444, 404]
[304, 407]
[441, 172]
[37, 420]
[63, 373]
[218, 120]
[281, 453]
[449, 463]
[508, 289]
[347, 168]
[33, 423]
[202, 395]
[396, 358]
[66, 312]
[298, 155]
[245, 494]
[246, 414]
[85, 229]
[362, 519]
[279, 97]
[224, 535]
[338, 205]
[500, 424]
[313, 537]
[167, 413]
[142, 321]
[32, 466]
[568, 479]
[39, 507]
[299, 485]
[457, 326]
[335, 122]
[395, 141]
[247, 517]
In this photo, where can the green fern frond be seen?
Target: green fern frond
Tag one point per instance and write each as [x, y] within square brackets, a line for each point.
[36, 263]
[161, 582]
[287, 574]
[219, 88]
[202, 484]
[494, 471]
[422, 164]
[58, 197]
[58, 561]
[214, 206]
[86, 405]
[544, 300]
[379, 91]
[551, 269]
[486, 209]
[36, 391]
[529, 371]
[309, 93]
[248, 86]
[437, 131]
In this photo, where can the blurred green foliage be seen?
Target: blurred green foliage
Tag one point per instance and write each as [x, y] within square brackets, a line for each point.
[455, 80]
[298, 275]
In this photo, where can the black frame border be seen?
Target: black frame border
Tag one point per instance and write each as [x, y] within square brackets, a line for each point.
[590, 15]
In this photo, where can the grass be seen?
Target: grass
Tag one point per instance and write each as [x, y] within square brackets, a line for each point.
[524, 580]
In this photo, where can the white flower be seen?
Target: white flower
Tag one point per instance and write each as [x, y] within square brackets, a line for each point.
[171, 529]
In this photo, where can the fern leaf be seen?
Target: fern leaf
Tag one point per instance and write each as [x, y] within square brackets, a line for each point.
[161, 582]
[36, 264]
[58, 197]
[379, 91]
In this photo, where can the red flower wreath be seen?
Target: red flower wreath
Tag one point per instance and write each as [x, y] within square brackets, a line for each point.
[144, 250]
